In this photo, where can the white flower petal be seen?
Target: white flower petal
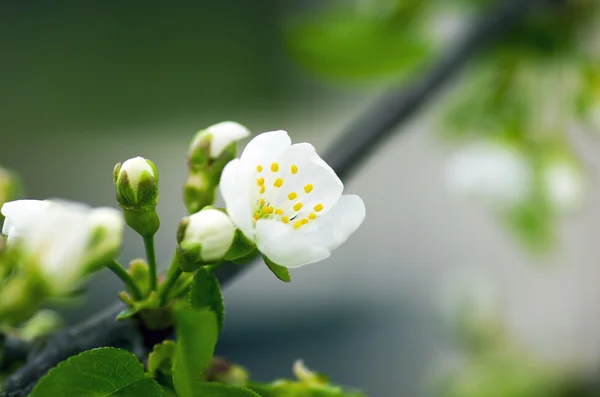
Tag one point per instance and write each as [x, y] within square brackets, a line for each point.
[135, 168]
[281, 244]
[333, 229]
[312, 173]
[224, 134]
[265, 148]
[235, 192]
[20, 215]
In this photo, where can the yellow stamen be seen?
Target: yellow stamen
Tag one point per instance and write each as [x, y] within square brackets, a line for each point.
[297, 206]
[274, 167]
[292, 196]
[312, 216]
[285, 219]
[279, 211]
[260, 181]
[262, 189]
[318, 207]
[261, 202]
[256, 216]
[304, 221]
[308, 188]
[294, 168]
[271, 209]
[298, 224]
[259, 168]
[278, 182]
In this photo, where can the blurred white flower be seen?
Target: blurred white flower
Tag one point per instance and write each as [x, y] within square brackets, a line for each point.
[61, 239]
[288, 201]
[497, 173]
[206, 235]
[564, 185]
[220, 135]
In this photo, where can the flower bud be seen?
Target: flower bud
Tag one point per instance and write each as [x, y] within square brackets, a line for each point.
[106, 236]
[212, 142]
[203, 238]
[136, 182]
[210, 150]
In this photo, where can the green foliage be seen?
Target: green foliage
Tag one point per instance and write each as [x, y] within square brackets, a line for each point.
[280, 272]
[98, 373]
[219, 390]
[205, 293]
[160, 362]
[298, 389]
[196, 332]
[352, 43]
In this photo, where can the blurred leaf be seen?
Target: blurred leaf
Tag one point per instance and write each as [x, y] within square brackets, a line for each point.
[205, 293]
[349, 44]
[280, 272]
[100, 372]
[297, 389]
[196, 339]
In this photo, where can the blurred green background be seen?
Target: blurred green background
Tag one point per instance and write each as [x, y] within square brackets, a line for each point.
[84, 85]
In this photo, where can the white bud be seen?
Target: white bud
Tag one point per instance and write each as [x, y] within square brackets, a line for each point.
[220, 136]
[206, 236]
[136, 181]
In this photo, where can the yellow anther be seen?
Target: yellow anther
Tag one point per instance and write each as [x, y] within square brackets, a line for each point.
[308, 188]
[271, 210]
[298, 224]
[279, 211]
[294, 168]
[304, 221]
[312, 216]
[260, 181]
[292, 196]
[318, 207]
[261, 202]
[256, 216]
[275, 167]
[297, 206]
[262, 189]
[264, 210]
[278, 182]
[285, 219]
[259, 168]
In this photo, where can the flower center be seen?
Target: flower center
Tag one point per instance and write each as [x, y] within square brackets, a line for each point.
[283, 195]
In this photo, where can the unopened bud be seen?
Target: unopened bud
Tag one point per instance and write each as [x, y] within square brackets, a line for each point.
[136, 182]
[210, 150]
[203, 238]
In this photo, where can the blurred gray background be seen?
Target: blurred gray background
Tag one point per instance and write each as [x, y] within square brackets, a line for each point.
[84, 85]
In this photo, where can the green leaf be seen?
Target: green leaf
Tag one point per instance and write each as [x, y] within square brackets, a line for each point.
[347, 44]
[281, 272]
[219, 390]
[160, 362]
[196, 339]
[295, 389]
[98, 373]
[205, 293]
[240, 248]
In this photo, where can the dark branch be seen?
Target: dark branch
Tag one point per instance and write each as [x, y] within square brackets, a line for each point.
[347, 153]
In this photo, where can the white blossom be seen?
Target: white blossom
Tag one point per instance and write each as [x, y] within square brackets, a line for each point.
[288, 201]
[491, 171]
[59, 238]
[564, 185]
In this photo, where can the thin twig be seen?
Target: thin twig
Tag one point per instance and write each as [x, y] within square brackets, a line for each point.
[347, 153]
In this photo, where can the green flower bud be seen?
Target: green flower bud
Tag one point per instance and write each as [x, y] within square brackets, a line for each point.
[204, 238]
[136, 182]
